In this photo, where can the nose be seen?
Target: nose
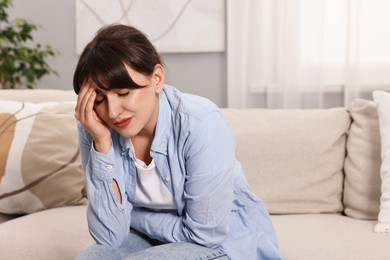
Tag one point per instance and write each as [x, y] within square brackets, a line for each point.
[114, 108]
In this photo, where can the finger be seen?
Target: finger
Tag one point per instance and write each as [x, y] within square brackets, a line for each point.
[89, 106]
[85, 109]
[80, 98]
[83, 101]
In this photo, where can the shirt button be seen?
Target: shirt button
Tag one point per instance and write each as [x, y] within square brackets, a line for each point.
[165, 149]
[167, 179]
[109, 166]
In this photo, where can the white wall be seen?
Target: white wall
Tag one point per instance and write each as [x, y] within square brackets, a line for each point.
[198, 73]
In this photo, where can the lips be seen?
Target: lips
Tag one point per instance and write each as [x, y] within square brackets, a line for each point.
[123, 123]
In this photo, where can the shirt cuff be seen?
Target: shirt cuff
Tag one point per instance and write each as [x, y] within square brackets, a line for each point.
[102, 165]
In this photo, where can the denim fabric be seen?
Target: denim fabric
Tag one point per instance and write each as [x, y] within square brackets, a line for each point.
[138, 246]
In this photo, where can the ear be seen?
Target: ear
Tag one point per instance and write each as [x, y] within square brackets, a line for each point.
[158, 78]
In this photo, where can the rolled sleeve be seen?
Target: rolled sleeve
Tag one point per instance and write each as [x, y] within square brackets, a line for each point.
[108, 219]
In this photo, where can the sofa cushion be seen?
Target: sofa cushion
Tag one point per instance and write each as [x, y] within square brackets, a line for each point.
[60, 233]
[329, 236]
[293, 159]
[362, 163]
[382, 99]
[39, 164]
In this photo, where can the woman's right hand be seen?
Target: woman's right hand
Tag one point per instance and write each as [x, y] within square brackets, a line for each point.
[87, 116]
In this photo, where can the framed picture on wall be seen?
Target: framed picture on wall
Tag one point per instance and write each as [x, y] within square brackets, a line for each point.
[174, 26]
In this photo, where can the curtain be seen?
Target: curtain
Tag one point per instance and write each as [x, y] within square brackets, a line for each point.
[306, 53]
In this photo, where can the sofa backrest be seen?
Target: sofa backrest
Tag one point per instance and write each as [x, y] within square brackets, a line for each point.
[296, 161]
[38, 95]
[312, 161]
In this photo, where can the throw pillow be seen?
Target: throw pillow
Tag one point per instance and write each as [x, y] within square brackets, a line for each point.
[362, 163]
[293, 159]
[39, 157]
[382, 99]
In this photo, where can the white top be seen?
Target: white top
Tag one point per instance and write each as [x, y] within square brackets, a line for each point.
[151, 191]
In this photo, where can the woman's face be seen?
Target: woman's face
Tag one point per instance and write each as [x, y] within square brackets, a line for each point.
[132, 112]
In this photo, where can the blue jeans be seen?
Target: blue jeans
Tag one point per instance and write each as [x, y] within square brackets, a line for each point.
[139, 246]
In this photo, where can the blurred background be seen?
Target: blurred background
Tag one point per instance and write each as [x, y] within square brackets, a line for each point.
[274, 53]
[202, 73]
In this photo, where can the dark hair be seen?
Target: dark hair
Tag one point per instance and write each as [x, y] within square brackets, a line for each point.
[103, 59]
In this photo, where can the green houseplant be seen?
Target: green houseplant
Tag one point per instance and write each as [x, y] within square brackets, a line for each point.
[22, 62]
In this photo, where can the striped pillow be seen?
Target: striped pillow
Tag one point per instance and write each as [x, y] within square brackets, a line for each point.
[39, 157]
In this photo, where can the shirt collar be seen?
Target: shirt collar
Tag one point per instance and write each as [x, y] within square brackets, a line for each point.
[124, 142]
[164, 124]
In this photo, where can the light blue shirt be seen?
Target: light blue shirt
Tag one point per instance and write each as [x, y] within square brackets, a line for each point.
[194, 150]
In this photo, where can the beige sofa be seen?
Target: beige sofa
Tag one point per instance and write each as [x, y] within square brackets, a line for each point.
[318, 172]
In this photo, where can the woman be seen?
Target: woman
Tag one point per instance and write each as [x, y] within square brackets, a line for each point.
[161, 174]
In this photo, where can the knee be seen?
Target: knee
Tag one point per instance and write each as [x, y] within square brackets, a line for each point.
[99, 252]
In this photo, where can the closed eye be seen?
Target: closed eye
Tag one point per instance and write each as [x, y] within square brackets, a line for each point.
[124, 94]
[101, 97]
[98, 100]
